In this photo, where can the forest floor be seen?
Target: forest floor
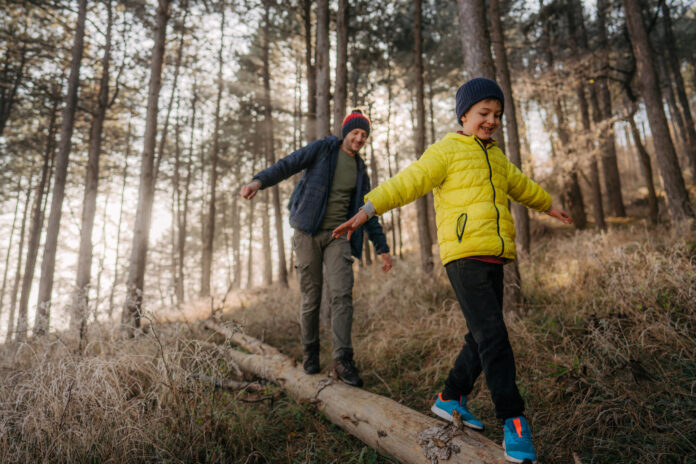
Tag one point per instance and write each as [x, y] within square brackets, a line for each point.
[605, 347]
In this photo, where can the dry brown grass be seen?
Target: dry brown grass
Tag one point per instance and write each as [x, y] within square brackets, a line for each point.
[605, 349]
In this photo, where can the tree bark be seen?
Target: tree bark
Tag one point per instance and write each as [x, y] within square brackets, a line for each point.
[132, 310]
[340, 85]
[571, 195]
[646, 169]
[48, 262]
[237, 230]
[120, 220]
[207, 255]
[323, 79]
[578, 45]
[383, 424]
[424, 239]
[80, 302]
[519, 212]
[269, 149]
[9, 245]
[311, 124]
[677, 197]
[22, 318]
[610, 168]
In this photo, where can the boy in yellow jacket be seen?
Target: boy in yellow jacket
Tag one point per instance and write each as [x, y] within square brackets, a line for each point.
[471, 181]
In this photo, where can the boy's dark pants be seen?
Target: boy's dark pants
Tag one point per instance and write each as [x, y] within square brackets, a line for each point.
[479, 289]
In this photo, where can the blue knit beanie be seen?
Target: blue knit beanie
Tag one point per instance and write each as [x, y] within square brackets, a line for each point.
[355, 120]
[475, 90]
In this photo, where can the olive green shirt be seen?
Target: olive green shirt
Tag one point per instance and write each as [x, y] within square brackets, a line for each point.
[341, 191]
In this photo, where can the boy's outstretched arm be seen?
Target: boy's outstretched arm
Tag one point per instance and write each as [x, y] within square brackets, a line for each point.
[351, 225]
[560, 215]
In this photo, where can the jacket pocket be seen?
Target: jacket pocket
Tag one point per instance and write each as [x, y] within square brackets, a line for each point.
[461, 225]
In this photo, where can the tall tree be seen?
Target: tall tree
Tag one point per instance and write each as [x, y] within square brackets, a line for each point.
[675, 68]
[269, 146]
[9, 245]
[48, 263]
[578, 45]
[424, 239]
[677, 197]
[18, 272]
[571, 195]
[311, 124]
[607, 146]
[209, 229]
[37, 219]
[323, 78]
[340, 85]
[519, 212]
[126, 155]
[80, 301]
[132, 310]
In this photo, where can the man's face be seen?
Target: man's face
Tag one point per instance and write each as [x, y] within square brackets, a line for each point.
[482, 119]
[354, 140]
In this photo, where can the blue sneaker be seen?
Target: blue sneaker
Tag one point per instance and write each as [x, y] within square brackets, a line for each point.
[444, 409]
[517, 442]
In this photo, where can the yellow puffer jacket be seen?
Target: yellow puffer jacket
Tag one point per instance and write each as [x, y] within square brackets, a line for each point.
[471, 186]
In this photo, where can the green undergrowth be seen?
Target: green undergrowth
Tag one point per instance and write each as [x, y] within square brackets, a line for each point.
[605, 346]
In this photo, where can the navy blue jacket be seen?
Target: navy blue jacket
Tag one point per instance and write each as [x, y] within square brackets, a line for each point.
[311, 195]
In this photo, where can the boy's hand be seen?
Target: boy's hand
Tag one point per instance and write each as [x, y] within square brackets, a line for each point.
[249, 190]
[386, 259]
[351, 225]
[560, 215]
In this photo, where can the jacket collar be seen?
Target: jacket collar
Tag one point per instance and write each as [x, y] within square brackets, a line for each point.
[468, 139]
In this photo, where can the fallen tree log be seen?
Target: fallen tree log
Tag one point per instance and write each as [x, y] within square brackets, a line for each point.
[385, 425]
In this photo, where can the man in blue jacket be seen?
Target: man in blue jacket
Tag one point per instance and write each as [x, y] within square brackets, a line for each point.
[331, 190]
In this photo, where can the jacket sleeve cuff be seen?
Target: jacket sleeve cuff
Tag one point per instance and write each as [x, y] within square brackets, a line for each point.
[369, 209]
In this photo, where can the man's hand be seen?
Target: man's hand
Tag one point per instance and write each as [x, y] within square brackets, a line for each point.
[386, 259]
[560, 215]
[351, 225]
[249, 190]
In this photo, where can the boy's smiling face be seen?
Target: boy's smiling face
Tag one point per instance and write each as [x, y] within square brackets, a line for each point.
[483, 118]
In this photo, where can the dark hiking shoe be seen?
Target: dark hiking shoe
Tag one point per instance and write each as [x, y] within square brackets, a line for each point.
[346, 370]
[310, 360]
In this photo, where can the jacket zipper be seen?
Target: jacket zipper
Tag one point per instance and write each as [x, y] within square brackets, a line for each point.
[497, 212]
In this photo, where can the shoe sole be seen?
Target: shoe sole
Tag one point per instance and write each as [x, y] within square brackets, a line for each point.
[511, 459]
[448, 417]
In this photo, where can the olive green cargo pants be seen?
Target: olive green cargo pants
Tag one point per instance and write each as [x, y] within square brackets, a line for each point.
[312, 254]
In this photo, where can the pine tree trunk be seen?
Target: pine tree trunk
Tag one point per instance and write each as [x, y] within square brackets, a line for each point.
[311, 125]
[323, 79]
[424, 239]
[237, 230]
[36, 226]
[269, 149]
[519, 212]
[610, 168]
[646, 169]
[676, 120]
[578, 45]
[207, 256]
[48, 262]
[677, 197]
[80, 299]
[22, 318]
[120, 220]
[9, 245]
[132, 310]
[340, 90]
